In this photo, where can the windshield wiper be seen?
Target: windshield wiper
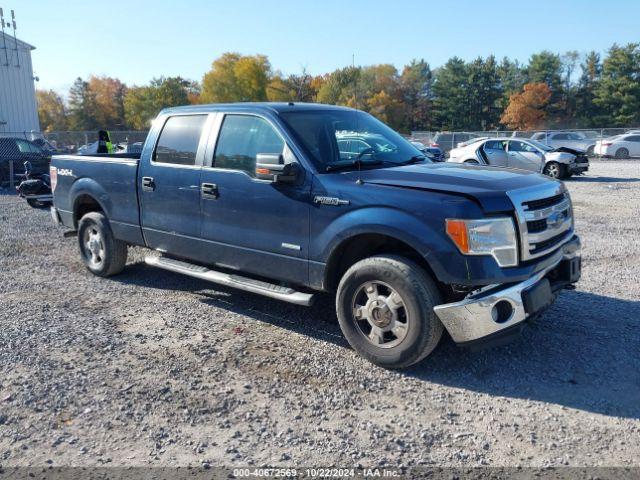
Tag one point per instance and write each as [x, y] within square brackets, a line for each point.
[352, 163]
[414, 159]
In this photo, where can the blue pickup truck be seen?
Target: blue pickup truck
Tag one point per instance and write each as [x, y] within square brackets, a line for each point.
[288, 200]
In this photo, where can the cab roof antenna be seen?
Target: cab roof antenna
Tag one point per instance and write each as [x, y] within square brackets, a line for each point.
[4, 38]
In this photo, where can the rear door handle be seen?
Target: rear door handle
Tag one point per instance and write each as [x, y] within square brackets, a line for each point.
[148, 185]
[209, 191]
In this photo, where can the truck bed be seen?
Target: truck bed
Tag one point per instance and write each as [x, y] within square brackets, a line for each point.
[108, 178]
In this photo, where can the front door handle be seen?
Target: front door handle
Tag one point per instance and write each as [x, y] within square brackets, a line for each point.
[209, 191]
[148, 185]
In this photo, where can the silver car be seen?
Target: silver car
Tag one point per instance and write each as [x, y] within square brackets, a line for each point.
[523, 154]
[575, 140]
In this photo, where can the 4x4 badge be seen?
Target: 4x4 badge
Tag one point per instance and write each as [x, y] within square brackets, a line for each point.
[329, 201]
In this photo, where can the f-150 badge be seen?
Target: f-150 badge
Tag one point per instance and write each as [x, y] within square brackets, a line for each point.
[329, 201]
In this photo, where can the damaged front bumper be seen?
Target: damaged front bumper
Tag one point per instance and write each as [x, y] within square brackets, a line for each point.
[497, 311]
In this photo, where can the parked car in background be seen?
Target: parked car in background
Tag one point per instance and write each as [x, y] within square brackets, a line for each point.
[18, 151]
[448, 140]
[574, 140]
[523, 154]
[434, 153]
[620, 146]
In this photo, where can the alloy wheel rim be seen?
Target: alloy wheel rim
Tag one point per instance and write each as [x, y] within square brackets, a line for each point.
[380, 314]
[93, 247]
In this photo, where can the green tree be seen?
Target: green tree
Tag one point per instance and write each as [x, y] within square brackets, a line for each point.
[451, 89]
[618, 91]
[236, 78]
[142, 104]
[587, 112]
[512, 78]
[483, 94]
[83, 113]
[416, 92]
[51, 111]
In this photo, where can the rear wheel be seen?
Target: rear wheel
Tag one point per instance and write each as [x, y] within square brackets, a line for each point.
[101, 253]
[622, 153]
[385, 309]
[554, 170]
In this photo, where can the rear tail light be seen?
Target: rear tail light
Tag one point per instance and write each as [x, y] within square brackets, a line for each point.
[435, 145]
[53, 178]
[606, 144]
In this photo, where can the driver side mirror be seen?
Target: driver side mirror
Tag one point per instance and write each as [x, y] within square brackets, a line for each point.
[271, 166]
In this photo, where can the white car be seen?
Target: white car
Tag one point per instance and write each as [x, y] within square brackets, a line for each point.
[620, 146]
[523, 154]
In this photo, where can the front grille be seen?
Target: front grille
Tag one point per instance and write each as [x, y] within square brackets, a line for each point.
[547, 244]
[544, 218]
[544, 202]
[536, 226]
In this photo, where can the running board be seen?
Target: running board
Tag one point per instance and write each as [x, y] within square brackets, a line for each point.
[278, 292]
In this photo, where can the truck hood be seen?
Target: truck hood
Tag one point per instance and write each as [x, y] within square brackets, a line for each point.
[486, 185]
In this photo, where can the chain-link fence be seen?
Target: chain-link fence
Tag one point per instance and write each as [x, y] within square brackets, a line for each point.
[576, 138]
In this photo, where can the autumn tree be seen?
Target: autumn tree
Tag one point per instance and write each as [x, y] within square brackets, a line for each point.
[51, 111]
[108, 101]
[526, 110]
[236, 78]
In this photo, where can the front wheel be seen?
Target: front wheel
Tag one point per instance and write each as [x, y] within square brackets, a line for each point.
[100, 251]
[385, 310]
[554, 170]
[622, 153]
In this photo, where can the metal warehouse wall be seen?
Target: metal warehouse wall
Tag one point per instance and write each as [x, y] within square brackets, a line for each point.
[18, 110]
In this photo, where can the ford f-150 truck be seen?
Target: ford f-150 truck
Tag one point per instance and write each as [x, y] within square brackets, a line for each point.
[272, 199]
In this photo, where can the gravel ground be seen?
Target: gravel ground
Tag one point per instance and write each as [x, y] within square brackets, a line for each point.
[152, 368]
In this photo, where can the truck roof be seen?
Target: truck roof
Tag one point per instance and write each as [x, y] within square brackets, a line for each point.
[275, 107]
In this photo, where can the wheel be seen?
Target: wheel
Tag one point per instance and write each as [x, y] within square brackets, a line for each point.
[101, 253]
[471, 162]
[589, 151]
[554, 170]
[622, 153]
[385, 310]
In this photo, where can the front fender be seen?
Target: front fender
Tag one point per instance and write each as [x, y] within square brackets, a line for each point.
[428, 239]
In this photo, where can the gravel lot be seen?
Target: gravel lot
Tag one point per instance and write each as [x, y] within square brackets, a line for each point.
[152, 368]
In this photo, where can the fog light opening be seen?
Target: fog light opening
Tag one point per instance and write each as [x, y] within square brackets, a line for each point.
[502, 311]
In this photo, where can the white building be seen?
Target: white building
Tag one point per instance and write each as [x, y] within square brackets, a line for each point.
[18, 110]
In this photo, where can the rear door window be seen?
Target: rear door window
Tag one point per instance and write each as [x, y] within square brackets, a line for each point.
[241, 139]
[179, 140]
[494, 145]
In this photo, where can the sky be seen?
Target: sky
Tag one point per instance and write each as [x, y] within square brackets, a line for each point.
[137, 40]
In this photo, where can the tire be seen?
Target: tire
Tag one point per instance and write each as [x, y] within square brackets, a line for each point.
[101, 253]
[397, 325]
[622, 153]
[554, 170]
[590, 150]
[471, 162]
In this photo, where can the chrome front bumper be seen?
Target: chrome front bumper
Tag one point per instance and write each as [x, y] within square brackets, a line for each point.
[480, 314]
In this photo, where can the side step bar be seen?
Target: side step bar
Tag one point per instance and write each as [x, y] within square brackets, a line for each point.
[271, 290]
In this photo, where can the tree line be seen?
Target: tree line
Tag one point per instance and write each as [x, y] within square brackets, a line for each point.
[549, 91]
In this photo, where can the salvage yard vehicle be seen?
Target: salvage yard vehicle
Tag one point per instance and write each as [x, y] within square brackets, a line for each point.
[260, 197]
[620, 146]
[529, 155]
[18, 151]
[577, 141]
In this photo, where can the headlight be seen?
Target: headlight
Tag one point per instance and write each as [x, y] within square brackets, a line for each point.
[491, 236]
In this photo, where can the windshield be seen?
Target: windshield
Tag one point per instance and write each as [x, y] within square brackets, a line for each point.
[338, 136]
[541, 146]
